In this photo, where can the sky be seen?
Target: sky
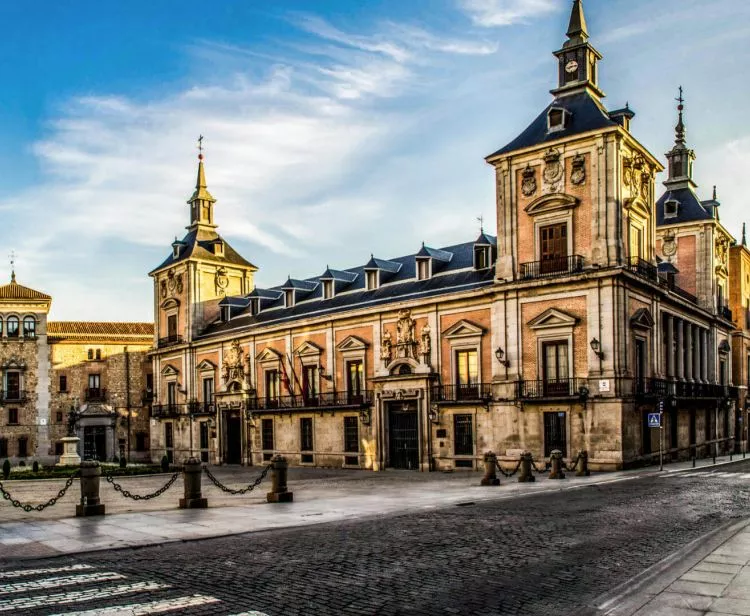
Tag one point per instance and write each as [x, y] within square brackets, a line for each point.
[333, 128]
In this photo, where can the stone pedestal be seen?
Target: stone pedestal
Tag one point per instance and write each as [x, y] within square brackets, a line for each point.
[191, 473]
[490, 470]
[90, 504]
[279, 492]
[70, 455]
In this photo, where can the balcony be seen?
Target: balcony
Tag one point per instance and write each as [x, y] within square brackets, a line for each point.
[670, 285]
[95, 394]
[552, 268]
[552, 389]
[169, 341]
[663, 388]
[726, 313]
[165, 411]
[327, 400]
[13, 395]
[644, 269]
[196, 408]
[147, 397]
[457, 394]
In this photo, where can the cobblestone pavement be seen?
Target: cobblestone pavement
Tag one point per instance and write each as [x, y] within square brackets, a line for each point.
[547, 554]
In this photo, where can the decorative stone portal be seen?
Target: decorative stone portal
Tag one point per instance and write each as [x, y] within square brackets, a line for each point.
[403, 435]
[96, 431]
[232, 433]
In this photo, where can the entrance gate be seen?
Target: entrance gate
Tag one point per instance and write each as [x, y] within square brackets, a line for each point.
[403, 438]
[234, 440]
[554, 433]
[94, 442]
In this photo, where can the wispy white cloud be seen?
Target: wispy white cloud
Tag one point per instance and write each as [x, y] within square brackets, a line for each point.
[492, 13]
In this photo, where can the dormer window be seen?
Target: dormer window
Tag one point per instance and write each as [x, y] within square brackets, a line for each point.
[327, 289]
[176, 249]
[556, 119]
[219, 248]
[226, 313]
[671, 208]
[481, 257]
[288, 298]
[372, 280]
[254, 306]
[423, 269]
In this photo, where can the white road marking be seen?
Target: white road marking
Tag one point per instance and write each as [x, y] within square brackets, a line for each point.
[55, 582]
[23, 572]
[77, 596]
[143, 609]
[251, 613]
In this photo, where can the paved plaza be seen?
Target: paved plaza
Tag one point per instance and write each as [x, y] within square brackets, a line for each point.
[405, 544]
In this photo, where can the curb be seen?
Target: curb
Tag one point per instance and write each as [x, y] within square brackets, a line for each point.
[630, 596]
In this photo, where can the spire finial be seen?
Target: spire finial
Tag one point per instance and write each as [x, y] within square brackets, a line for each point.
[12, 265]
[577, 30]
[680, 128]
[714, 197]
[744, 236]
[200, 147]
[480, 220]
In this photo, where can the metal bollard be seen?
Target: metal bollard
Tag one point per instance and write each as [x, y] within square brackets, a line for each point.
[90, 503]
[192, 470]
[555, 462]
[279, 492]
[582, 466]
[526, 476]
[490, 470]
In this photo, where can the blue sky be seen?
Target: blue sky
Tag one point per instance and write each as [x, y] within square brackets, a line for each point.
[333, 128]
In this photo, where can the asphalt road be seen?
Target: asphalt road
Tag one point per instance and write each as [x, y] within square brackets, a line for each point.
[547, 554]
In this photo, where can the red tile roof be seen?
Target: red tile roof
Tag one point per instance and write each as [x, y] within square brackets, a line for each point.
[93, 329]
[13, 290]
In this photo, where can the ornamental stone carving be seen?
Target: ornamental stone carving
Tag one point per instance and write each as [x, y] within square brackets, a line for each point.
[406, 342]
[578, 171]
[221, 281]
[425, 346]
[173, 284]
[669, 247]
[528, 184]
[553, 171]
[722, 248]
[386, 348]
[233, 366]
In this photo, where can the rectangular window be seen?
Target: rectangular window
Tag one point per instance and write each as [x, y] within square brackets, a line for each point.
[555, 368]
[722, 372]
[169, 440]
[355, 377]
[266, 437]
[23, 447]
[172, 393]
[306, 438]
[172, 326]
[29, 327]
[141, 441]
[208, 390]
[351, 440]
[423, 269]
[3, 447]
[636, 243]
[310, 384]
[149, 383]
[63, 383]
[372, 280]
[12, 386]
[481, 258]
[12, 327]
[327, 289]
[553, 248]
[59, 417]
[273, 386]
[463, 435]
[95, 381]
[467, 371]
[203, 440]
[12, 417]
[289, 298]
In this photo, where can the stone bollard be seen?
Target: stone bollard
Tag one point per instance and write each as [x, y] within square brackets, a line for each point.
[582, 466]
[279, 492]
[90, 503]
[555, 463]
[192, 470]
[526, 475]
[490, 470]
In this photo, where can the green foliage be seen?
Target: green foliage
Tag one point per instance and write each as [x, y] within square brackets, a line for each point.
[6, 469]
[115, 459]
[164, 464]
[35, 466]
[123, 462]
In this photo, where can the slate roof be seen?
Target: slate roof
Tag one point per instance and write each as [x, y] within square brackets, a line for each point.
[198, 244]
[458, 274]
[15, 291]
[585, 114]
[690, 209]
[93, 330]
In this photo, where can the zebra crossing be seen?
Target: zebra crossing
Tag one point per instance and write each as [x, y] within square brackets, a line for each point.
[74, 590]
[711, 475]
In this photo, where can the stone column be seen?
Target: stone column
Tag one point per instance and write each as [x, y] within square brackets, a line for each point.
[696, 353]
[670, 346]
[689, 343]
[704, 355]
[680, 349]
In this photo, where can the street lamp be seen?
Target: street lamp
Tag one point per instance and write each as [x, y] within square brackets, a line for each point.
[500, 355]
[596, 347]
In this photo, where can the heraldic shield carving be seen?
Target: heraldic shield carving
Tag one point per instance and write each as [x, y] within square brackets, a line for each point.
[233, 367]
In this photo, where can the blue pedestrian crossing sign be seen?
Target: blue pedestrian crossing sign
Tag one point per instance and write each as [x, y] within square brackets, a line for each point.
[654, 421]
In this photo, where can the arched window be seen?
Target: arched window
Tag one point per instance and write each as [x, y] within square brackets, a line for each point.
[12, 327]
[91, 354]
[29, 327]
[1, 326]
[404, 369]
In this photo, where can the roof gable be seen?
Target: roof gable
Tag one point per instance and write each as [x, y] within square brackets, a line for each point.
[553, 318]
[463, 329]
[15, 291]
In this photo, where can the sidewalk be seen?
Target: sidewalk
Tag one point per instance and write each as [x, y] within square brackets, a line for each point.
[709, 578]
[331, 496]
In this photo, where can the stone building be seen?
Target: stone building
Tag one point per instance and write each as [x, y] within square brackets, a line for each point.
[98, 370]
[562, 331]
[739, 304]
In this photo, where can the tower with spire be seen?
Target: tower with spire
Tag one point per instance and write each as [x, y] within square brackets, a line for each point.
[680, 158]
[200, 271]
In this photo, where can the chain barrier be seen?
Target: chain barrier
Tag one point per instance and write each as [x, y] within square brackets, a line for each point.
[27, 507]
[137, 497]
[508, 474]
[541, 471]
[573, 464]
[244, 490]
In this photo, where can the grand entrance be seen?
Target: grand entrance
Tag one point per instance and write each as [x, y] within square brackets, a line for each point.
[94, 443]
[403, 436]
[234, 440]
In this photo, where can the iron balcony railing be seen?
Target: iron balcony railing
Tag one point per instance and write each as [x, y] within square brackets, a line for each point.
[552, 268]
[473, 392]
[147, 397]
[664, 388]
[300, 401]
[170, 340]
[162, 411]
[13, 395]
[679, 291]
[95, 394]
[644, 269]
[201, 408]
[726, 313]
[552, 388]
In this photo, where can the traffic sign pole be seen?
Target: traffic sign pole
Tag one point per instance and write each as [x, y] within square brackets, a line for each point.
[661, 435]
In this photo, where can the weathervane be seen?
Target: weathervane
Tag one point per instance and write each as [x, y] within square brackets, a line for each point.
[200, 147]
[480, 220]
[12, 256]
[680, 99]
